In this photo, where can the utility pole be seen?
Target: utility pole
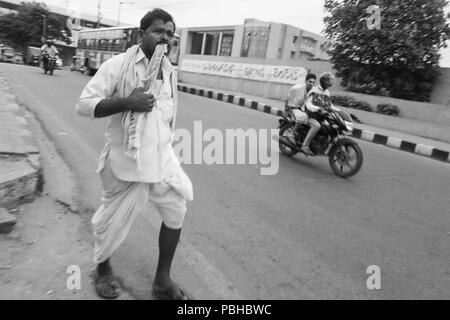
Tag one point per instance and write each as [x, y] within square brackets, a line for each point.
[99, 14]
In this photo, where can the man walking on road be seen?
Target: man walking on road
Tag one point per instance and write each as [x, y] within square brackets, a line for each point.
[137, 90]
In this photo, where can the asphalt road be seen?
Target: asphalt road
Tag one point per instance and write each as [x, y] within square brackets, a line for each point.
[302, 233]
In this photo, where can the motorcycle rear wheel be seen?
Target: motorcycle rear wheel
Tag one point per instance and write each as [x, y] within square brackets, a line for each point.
[286, 150]
[340, 157]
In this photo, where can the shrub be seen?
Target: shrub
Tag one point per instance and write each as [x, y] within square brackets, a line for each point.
[350, 102]
[388, 109]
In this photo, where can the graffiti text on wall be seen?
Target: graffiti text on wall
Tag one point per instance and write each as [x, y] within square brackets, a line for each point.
[258, 72]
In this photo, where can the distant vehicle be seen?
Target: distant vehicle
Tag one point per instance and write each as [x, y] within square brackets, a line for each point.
[77, 64]
[95, 46]
[17, 58]
[33, 56]
[59, 63]
[7, 54]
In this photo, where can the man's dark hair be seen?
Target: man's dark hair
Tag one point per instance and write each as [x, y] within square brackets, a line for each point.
[311, 76]
[156, 14]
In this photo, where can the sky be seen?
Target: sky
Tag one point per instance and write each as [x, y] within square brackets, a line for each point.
[305, 14]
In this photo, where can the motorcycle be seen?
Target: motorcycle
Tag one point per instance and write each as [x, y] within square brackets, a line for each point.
[343, 153]
[50, 65]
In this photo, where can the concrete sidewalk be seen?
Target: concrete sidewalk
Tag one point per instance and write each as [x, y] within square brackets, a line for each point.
[20, 168]
[437, 150]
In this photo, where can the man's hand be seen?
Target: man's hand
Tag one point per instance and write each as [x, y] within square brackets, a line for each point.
[139, 101]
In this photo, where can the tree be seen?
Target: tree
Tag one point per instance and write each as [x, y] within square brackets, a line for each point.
[400, 58]
[25, 28]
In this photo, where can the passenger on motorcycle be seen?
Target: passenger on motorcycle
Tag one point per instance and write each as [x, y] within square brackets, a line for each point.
[318, 100]
[296, 99]
[48, 50]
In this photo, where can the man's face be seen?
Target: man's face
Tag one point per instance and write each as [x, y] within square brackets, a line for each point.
[310, 83]
[158, 33]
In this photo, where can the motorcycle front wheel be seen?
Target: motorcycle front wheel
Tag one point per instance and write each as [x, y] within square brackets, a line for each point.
[286, 150]
[345, 158]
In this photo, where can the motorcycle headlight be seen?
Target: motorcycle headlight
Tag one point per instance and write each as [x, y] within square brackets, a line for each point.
[335, 126]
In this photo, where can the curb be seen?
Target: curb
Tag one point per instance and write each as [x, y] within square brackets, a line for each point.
[369, 136]
[21, 177]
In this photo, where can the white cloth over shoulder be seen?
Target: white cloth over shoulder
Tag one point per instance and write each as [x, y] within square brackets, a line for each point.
[145, 133]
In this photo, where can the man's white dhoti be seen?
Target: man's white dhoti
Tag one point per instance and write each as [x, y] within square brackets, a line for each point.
[122, 201]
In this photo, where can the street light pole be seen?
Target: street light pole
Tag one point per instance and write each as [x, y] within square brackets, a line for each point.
[120, 6]
[44, 28]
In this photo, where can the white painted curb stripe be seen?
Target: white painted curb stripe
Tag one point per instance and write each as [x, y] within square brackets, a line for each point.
[367, 135]
[261, 106]
[394, 142]
[424, 150]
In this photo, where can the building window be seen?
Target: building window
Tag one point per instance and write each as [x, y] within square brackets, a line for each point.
[295, 39]
[212, 44]
[197, 43]
[227, 44]
[292, 54]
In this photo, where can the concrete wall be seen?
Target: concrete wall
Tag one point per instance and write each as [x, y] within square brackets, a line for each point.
[237, 41]
[267, 90]
[276, 37]
[441, 90]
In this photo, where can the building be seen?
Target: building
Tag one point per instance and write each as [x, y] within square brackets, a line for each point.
[259, 58]
[255, 39]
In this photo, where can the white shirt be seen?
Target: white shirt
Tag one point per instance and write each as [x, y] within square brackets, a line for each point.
[52, 51]
[103, 85]
[297, 96]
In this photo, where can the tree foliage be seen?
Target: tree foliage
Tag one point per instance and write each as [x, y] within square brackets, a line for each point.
[25, 28]
[401, 58]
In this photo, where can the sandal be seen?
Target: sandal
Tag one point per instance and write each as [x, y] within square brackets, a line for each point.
[107, 287]
[172, 293]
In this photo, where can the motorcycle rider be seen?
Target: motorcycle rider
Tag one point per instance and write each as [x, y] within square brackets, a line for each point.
[296, 99]
[48, 50]
[318, 100]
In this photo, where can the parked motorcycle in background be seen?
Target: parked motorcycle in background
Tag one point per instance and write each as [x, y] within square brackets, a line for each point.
[345, 156]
